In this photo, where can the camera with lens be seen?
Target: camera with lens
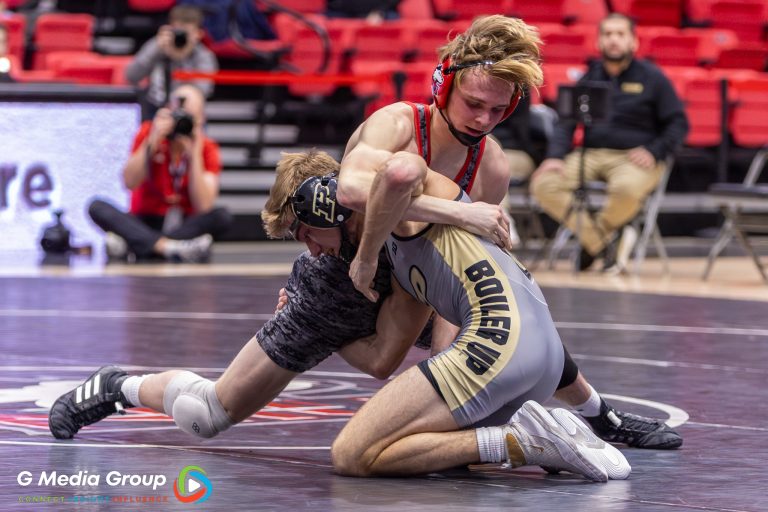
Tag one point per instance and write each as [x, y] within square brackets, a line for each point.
[183, 122]
[179, 37]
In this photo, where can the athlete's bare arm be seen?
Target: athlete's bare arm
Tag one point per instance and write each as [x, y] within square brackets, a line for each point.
[374, 143]
[403, 177]
[401, 319]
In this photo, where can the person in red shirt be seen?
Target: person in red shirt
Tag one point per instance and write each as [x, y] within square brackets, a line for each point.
[173, 173]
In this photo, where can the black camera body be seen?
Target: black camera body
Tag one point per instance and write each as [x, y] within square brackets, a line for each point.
[180, 37]
[183, 122]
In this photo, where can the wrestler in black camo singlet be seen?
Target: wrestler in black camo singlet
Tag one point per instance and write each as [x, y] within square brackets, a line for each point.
[324, 312]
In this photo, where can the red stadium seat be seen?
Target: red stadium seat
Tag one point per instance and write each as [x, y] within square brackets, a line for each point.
[540, 11]
[428, 39]
[385, 42]
[671, 49]
[415, 10]
[699, 11]
[585, 11]
[465, 10]
[651, 12]
[151, 5]
[15, 24]
[305, 6]
[564, 47]
[745, 17]
[556, 75]
[747, 56]
[703, 108]
[711, 42]
[749, 124]
[307, 53]
[56, 32]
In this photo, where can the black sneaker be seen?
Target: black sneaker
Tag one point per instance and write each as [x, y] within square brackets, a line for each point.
[96, 398]
[585, 260]
[636, 431]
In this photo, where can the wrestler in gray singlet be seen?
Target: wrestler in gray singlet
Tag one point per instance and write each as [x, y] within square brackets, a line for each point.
[508, 350]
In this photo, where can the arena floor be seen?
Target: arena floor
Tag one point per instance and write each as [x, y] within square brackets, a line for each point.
[696, 353]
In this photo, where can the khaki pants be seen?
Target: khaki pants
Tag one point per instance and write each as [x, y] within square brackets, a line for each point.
[627, 187]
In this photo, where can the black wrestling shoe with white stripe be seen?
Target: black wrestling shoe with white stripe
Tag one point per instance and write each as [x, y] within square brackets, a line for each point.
[93, 400]
[637, 431]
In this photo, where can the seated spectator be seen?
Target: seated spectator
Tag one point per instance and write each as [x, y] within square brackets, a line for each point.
[627, 151]
[374, 11]
[176, 46]
[173, 173]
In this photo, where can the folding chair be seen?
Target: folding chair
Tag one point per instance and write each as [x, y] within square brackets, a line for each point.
[646, 219]
[734, 199]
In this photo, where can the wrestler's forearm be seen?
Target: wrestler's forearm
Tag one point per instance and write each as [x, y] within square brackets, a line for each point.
[399, 323]
[390, 196]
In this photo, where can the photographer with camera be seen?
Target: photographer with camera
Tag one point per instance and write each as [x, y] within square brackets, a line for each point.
[173, 173]
[175, 47]
[628, 151]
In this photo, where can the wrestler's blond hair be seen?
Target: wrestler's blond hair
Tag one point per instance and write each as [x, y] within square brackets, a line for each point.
[510, 43]
[291, 171]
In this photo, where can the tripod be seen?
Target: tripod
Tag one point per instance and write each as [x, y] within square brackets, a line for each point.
[584, 103]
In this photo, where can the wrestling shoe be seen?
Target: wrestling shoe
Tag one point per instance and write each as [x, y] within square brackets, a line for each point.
[636, 431]
[534, 437]
[93, 400]
[613, 460]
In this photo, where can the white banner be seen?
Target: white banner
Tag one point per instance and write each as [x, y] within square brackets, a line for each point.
[59, 156]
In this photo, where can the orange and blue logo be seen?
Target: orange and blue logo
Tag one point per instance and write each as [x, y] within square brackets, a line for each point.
[192, 486]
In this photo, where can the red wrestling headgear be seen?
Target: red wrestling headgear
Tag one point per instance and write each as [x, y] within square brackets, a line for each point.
[442, 81]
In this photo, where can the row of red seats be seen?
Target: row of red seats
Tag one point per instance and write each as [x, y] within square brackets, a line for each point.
[63, 45]
[357, 45]
[699, 89]
[745, 17]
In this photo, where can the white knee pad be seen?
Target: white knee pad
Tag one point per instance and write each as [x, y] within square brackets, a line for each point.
[192, 402]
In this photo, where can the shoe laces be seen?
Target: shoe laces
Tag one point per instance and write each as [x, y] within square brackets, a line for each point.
[104, 407]
[635, 423]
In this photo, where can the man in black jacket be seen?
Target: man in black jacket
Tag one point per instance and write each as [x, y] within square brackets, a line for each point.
[627, 151]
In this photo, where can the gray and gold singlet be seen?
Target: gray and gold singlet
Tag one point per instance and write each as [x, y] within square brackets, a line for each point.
[508, 350]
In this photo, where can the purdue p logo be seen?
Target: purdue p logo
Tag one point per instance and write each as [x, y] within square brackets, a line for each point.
[322, 204]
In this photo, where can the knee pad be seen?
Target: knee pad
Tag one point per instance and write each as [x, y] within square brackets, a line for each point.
[192, 402]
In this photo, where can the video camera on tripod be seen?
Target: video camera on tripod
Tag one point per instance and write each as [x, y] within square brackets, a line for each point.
[585, 103]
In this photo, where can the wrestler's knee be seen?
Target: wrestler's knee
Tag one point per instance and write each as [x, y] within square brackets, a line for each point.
[346, 460]
[192, 402]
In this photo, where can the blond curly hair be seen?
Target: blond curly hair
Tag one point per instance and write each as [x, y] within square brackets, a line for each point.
[512, 45]
[291, 171]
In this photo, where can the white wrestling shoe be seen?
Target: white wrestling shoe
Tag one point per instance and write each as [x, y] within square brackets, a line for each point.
[613, 460]
[534, 437]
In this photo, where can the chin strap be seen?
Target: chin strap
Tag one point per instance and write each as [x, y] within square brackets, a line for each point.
[348, 250]
[465, 139]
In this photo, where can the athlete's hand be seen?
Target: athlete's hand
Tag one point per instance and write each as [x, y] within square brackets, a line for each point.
[282, 300]
[362, 274]
[489, 221]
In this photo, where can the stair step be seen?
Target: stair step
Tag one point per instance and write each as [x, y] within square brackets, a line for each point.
[248, 133]
[250, 180]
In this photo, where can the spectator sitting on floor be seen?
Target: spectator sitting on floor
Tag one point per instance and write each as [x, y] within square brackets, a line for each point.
[173, 173]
